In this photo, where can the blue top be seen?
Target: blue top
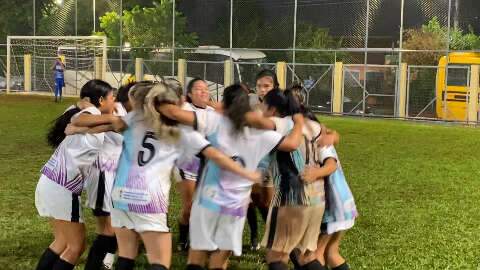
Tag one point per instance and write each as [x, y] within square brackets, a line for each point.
[58, 70]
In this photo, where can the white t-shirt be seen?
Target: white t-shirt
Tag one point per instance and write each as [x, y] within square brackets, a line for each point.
[223, 191]
[72, 160]
[142, 183]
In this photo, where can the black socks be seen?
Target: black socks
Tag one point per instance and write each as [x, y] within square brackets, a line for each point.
[60, 264]
[157, 267]
[194, 267]
[102, 245]
[313, 265]
[343, 266]
[47, 260]
[277, 266]
[125, 264]
[252, 223]
[183, 237]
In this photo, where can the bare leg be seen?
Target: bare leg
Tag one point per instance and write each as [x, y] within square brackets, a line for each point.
[197, 257]
[74, 234]
[321, 246]
[127, 243]
[219, 259]
[332, 252]
[159, 247]
[59, 243]
[275, 256]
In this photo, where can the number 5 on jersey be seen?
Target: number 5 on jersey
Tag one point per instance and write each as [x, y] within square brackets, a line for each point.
[144, 156]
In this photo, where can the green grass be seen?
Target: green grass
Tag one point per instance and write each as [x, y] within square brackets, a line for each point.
[417, 187]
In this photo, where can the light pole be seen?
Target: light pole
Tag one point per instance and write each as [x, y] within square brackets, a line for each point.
[94, 18]
[457, 14]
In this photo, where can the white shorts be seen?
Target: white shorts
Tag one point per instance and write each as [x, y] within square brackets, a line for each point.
[214, 231]
[99, 199]
[139, 222]
[54, 201]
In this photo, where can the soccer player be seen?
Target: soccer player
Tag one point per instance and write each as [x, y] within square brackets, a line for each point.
[58, 191]
[197, 98]
[340, 212]
[297, 207]
[99, 184]
[265, 81]
[152, 146]
[220, 205]
[59, 69]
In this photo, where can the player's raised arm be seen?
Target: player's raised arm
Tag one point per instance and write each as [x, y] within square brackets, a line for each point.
[292, 141]
[176, 113]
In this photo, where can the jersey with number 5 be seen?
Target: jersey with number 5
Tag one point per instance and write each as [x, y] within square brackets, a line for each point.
[142, 183]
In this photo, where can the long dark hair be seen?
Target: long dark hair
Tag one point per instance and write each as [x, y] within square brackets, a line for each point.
[122, 94]
[268, 73]
[284, 102]
[93, 90]
[296, 90]
[236, 104]
[190, 88]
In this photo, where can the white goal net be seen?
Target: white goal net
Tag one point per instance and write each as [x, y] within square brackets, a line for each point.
[30, 60]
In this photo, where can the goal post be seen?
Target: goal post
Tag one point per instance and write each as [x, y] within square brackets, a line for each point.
[30, 60]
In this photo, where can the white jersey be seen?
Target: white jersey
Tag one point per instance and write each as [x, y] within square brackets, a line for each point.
[72, 160]
[191, 167]
[286, 167]
[226, 192]
[105, 166]
[142, 183]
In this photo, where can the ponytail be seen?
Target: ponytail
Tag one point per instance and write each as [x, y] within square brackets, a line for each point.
[293, 106]
[284, 102]
[56, 133]
[92, 90]
[146, 97]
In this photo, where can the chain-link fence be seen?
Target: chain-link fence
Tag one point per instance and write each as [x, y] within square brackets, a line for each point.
[372, 38]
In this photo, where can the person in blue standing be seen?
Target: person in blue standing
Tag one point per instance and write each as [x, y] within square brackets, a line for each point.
[59, 69]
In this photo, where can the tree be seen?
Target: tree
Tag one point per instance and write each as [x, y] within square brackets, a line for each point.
[310, 36]
[110, 24]
[148, 26]
[433, 36]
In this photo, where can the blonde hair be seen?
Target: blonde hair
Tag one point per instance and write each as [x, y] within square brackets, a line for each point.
[145, 97]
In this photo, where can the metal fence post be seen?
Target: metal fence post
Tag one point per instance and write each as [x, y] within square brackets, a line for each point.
[294, 39]
[473, 96]
[337, 100]
[282, 74]
[27, 72]
[402, 91]
[181, 71]
[8, 64]
[138, 69]
[366, 58]
[228, 73]
[173, 37]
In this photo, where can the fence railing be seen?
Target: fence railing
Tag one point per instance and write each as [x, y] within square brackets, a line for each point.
[431, 92]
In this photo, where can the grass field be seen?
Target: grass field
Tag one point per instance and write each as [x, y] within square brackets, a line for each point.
[417, 187]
